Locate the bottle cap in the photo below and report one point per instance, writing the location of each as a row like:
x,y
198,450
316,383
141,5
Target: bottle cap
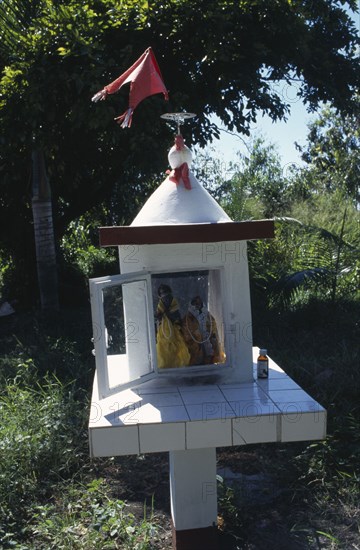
x,y
263,351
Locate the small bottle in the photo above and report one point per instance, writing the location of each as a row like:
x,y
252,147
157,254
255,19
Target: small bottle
x,y
262,364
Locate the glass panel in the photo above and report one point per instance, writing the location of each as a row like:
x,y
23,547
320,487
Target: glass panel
x,y
114,320
188,319
126,333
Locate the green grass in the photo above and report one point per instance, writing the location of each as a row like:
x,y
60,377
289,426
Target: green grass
x,y
81,517
41,441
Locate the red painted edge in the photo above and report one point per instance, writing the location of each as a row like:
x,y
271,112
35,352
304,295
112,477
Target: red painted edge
x,y
190,233
206,538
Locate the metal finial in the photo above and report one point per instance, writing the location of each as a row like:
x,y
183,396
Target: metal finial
x,y
179,118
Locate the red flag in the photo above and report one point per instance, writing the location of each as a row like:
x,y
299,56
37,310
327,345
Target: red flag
x,y
145,78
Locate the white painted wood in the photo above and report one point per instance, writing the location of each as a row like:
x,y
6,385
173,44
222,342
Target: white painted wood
x,y
229,278
99,337
193,490
136,314
139,359
118,370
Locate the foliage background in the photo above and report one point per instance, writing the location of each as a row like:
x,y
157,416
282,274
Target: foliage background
x,y
55,55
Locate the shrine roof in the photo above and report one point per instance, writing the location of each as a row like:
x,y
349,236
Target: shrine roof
x,y
174,203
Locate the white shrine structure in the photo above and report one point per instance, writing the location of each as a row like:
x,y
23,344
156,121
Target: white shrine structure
x,y
170,377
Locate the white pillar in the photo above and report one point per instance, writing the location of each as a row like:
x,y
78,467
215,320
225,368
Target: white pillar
x,y
193,491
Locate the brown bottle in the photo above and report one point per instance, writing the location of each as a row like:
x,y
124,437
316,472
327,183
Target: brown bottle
x,y
262,364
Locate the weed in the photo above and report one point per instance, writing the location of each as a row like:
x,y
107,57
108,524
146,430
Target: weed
x,y
83,517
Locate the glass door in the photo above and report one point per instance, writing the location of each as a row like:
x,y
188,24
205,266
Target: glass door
x,y
123,330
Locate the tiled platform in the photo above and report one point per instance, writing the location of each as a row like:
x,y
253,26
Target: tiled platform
x,y
165,416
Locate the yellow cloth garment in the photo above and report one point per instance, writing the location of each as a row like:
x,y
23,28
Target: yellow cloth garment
x,y
171,348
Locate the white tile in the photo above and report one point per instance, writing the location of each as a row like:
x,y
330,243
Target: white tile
x,y
273,374
273,366
253,408
123,416
197,387
156,438
162,399
150,414
276,372
155,387
157,384
259,429
105,412
289,396
237,385
244,394
284,383
299,407
114,441
212,433
303,426
210,411
202,396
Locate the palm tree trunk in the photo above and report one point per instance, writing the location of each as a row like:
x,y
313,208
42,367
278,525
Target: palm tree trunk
x,y
44,235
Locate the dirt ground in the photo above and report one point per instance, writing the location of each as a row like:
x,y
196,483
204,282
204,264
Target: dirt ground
x,y
256,510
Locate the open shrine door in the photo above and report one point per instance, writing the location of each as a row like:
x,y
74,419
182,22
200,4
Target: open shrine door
x,y
123,330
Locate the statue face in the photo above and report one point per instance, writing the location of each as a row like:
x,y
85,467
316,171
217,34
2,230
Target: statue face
x,y
163,293
164,290
197,303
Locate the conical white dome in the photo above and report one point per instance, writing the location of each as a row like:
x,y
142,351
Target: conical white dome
x,y
173,203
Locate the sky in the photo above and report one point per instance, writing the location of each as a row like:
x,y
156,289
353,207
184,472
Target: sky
x,y
283,134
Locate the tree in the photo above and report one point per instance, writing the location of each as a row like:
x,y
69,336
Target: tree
x,y
216,57
332,153
44,235
258,187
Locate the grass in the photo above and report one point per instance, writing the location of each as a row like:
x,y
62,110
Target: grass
x,y
53,496
82,517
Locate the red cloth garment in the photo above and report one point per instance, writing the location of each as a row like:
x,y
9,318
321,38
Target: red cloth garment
x,y
145,80
182,172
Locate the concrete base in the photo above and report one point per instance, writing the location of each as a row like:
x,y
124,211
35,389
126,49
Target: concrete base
x,y
195,539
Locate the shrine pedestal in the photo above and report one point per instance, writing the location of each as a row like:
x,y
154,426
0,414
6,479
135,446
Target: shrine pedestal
x,y
193,495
